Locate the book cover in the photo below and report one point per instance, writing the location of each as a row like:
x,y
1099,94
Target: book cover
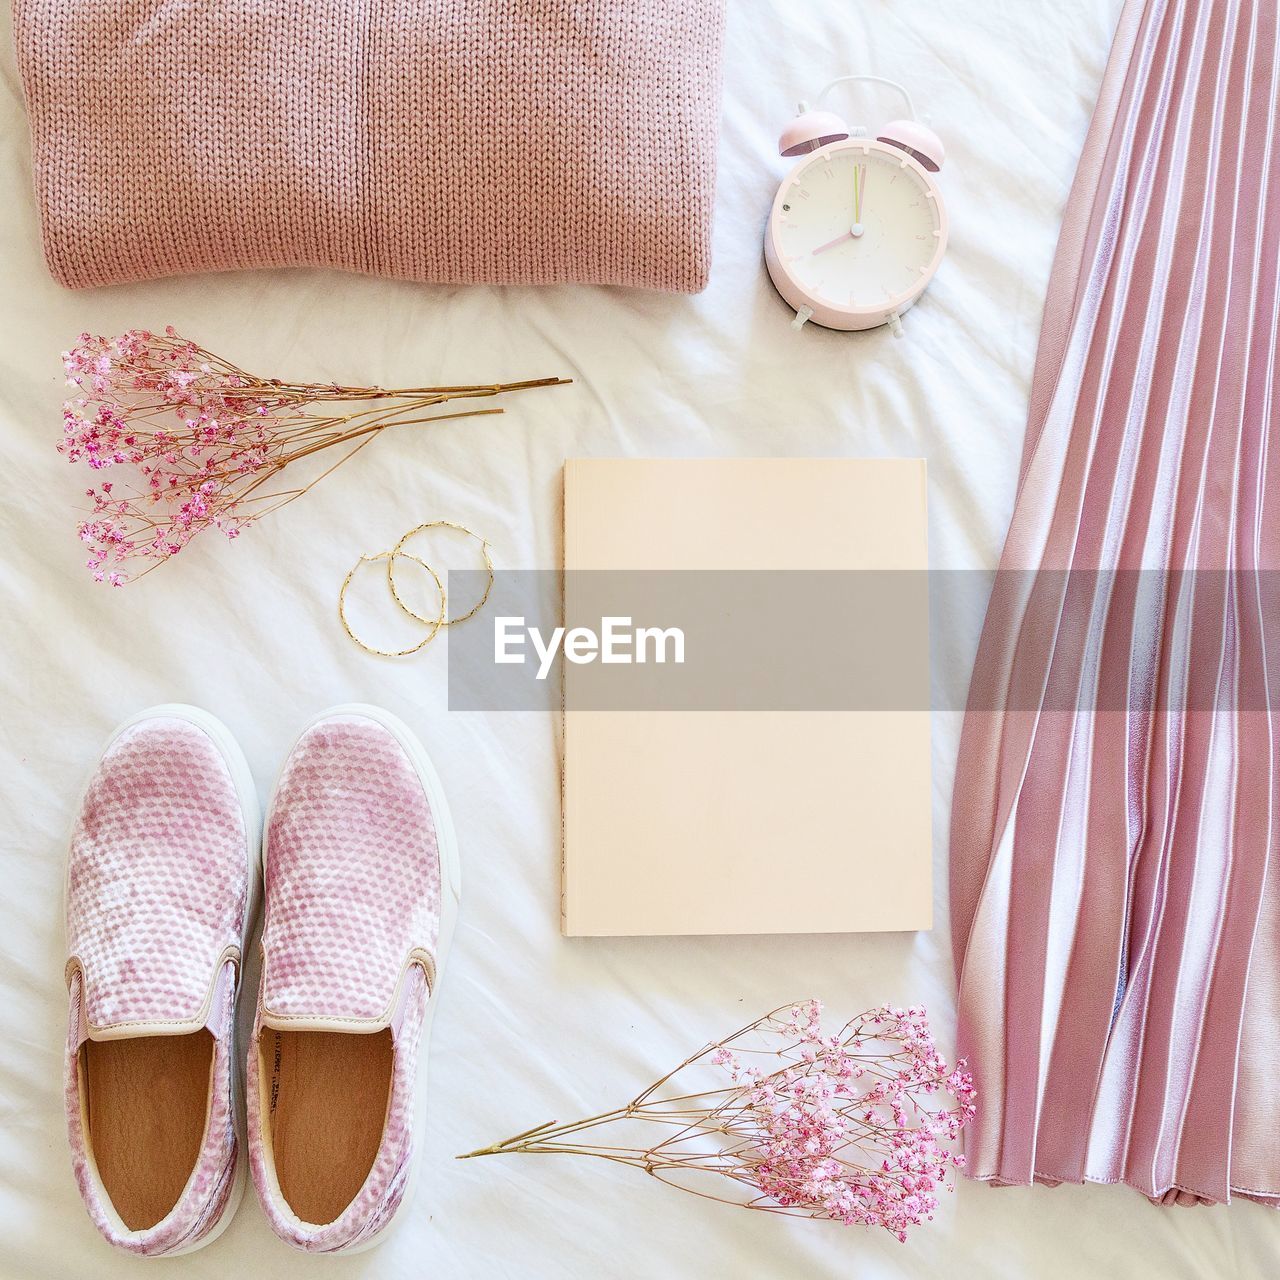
x,y
778,780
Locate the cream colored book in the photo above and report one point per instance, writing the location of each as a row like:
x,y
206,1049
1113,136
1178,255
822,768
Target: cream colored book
x,y
756,787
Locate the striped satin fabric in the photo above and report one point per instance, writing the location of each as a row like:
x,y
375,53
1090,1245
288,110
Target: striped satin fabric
x,y
1115,869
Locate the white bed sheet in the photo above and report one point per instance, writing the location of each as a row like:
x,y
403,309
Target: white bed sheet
x,y
532,1026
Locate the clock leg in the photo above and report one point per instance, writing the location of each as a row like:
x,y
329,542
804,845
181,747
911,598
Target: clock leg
x,y
894,321
803,316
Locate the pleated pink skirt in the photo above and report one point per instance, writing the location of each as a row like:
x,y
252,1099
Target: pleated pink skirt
x,y
1115,857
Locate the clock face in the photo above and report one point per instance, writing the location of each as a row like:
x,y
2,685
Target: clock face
x,y
858,227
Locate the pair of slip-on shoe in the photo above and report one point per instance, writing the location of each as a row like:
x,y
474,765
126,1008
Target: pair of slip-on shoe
x,y
360,874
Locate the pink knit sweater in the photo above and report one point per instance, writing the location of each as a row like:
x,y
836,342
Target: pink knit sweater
x,y
464,141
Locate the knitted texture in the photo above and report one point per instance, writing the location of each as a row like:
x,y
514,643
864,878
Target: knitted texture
x,y
352,874
157,884
460,141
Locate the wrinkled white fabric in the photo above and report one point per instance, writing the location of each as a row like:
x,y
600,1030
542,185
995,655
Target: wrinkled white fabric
x,y
532,1027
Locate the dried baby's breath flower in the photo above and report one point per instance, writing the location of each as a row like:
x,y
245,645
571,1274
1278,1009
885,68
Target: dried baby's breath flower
x,y
184,440
852,1127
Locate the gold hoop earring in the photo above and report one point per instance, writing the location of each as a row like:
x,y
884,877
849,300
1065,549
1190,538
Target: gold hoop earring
x,y
434,623
399,552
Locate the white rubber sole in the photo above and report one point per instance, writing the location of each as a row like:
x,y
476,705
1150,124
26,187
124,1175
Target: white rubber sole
x,y
247,793
450,898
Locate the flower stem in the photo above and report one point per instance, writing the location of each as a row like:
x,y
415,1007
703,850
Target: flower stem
x,y
499,1147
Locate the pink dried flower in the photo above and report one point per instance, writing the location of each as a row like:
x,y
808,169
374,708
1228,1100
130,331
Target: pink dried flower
x,y
853,1127
201,440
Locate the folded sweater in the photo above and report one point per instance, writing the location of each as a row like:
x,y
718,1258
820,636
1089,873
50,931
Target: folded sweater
x,y
463,141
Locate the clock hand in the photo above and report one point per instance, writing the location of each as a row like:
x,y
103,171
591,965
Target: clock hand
x,y
831,244
859,190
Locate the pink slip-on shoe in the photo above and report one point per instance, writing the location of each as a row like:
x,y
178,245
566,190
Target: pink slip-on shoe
x,y
362,885
162,877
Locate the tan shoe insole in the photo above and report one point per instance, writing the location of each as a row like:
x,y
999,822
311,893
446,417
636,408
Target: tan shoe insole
x,y
328,1094
147,1101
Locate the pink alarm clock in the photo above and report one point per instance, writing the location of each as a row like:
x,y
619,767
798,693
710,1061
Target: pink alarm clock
x,y
858,227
